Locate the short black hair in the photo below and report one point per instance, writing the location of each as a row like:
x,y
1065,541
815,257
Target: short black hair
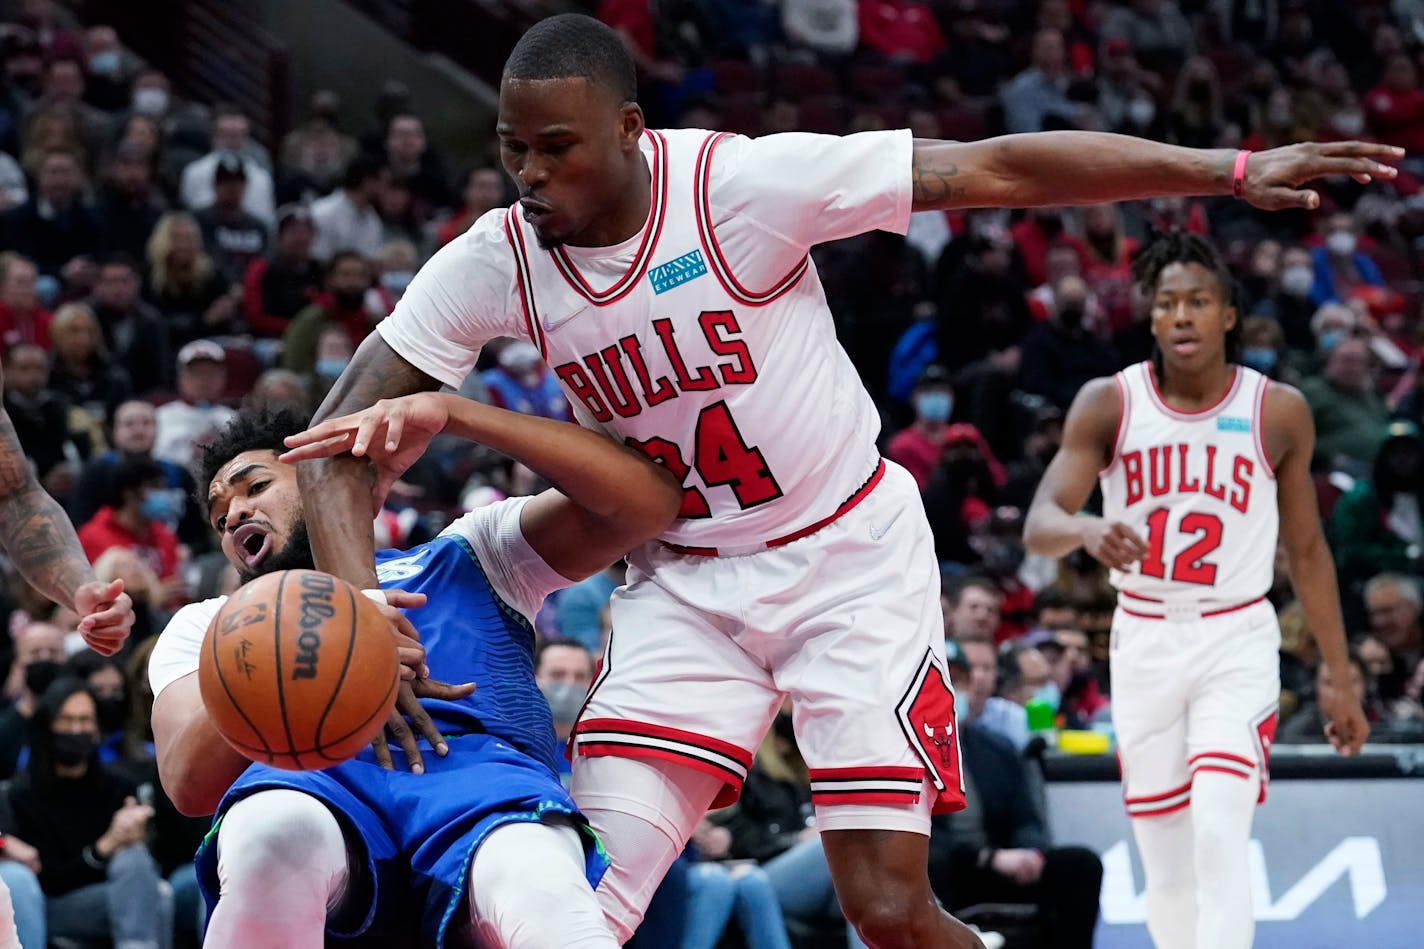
x,y
131,473
562,641
955,591
1183,247
573,45
250,431
361,169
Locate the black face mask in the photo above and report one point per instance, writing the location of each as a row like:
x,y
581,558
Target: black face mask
x,y
345,300
39,675
1070,317
72,749
111,714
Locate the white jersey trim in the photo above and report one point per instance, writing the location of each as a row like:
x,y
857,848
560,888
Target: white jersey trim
x,y
1259,421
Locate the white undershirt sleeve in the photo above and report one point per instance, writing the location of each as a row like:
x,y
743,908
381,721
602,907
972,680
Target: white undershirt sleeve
x,y
175,655
516,571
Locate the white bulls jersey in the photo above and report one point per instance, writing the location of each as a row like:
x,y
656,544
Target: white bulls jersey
x,y
705,339
1198,488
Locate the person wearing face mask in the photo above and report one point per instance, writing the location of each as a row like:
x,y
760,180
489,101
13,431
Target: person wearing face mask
x,y
275,289
997,849
522,383
108,74
39,660
343,304
563,670
1379,524
134,517
918,446
88,829
1340,264
1262,346
1061,354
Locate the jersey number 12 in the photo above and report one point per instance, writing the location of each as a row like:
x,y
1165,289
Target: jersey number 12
x,y
1189,566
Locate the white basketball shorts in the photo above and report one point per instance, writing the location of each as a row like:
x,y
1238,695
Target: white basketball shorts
x,y
1190,694
845,620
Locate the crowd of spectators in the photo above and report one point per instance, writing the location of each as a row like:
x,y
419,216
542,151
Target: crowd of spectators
x,y
159,265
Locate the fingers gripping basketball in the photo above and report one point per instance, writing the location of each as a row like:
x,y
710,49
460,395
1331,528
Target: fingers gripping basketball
x,y
298,670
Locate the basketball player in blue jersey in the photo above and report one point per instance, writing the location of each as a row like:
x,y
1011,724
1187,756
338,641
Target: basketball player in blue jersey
x,y
485,848
1202,463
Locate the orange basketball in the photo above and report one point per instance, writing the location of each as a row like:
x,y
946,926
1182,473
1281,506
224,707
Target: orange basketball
x,y
298,670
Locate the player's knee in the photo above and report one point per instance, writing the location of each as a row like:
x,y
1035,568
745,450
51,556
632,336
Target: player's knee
x,y
893,920
278,833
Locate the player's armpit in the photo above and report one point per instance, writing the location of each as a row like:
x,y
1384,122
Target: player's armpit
x,y
195,765
1089,438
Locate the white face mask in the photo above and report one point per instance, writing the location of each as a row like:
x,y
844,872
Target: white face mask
x,y
1297,280
1141,111
150,101
1350,123
1340,243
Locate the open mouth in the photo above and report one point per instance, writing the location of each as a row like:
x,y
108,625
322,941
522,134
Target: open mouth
x,y
533,209
252,543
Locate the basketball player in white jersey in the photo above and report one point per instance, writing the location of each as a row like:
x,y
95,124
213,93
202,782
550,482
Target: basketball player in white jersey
x,y
40,541
1202,462
665,277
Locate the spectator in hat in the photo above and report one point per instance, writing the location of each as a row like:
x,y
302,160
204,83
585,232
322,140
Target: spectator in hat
x,y
343,304
194,417
231,235
134,332
347,218
522,383
917,447
128,205
997,850
232,138
277,288
22,318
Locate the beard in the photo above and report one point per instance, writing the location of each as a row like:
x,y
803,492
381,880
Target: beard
x,y
295,555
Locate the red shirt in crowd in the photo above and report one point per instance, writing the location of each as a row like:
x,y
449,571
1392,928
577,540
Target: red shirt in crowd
x,y
1397,117
633,17
157,548
917,451
32,329
1034,244
900,29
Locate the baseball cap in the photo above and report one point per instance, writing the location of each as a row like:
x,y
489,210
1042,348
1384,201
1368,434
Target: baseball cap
x,y
201,349
229,168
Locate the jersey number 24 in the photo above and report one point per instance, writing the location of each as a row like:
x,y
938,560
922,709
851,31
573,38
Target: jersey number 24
x,y
721,458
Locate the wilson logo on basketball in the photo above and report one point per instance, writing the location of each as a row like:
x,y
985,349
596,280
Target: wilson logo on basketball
x,y
315,609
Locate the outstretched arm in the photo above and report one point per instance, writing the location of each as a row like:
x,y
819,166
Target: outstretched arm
x,y
1054,527
343,544
607,498
1290,435
1057,168
40,541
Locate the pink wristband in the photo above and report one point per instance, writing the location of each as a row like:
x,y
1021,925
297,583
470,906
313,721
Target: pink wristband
x,y
1238,174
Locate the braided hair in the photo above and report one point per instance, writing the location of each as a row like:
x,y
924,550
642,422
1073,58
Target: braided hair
x,y
1182,247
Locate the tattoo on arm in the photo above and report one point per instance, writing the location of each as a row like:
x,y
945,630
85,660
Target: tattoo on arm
x,y
34,529
935,183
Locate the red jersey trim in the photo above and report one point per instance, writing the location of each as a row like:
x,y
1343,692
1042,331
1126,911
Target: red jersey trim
x,y
525,281
649,244
1155,798
597,737
1224,756
1124,417
1258,422
1209,613
703,202
1160,812
847,505
1201,414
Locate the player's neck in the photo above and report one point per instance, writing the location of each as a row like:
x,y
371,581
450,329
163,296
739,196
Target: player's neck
x,y
629,217
1192,391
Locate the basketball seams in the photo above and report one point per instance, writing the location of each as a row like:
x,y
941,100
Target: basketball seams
x,y
232,700
380,709
352,626
277,658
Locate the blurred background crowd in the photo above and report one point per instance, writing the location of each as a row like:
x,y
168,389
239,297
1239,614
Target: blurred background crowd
x,y
162,263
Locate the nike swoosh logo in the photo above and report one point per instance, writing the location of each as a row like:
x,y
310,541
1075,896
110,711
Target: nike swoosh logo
x,y
553,324
878,532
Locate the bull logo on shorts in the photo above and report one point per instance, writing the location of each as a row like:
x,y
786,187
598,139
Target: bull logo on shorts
x,y
942,737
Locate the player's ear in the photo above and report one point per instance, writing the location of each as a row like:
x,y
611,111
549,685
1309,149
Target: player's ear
x,y
631,125
1229,317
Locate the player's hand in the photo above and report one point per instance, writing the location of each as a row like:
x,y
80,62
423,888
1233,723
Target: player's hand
x,y
393,433
1346,725
105,615
407,733
21,852
408,646
1021,866
1112,543
1273,177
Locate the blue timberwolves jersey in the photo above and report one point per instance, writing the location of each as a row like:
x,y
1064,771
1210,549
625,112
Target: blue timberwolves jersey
x,y
472,635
